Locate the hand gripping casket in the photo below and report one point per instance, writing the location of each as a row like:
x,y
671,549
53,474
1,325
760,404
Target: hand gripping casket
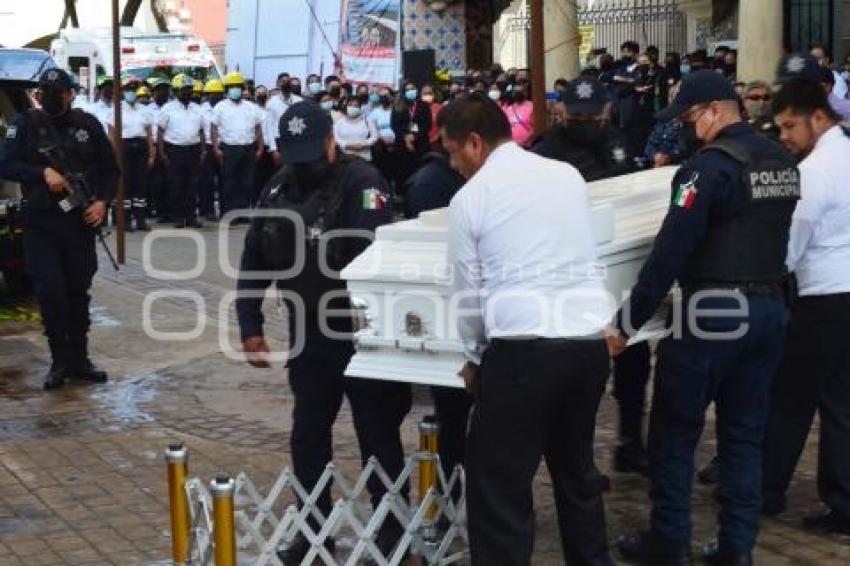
x,y
401,287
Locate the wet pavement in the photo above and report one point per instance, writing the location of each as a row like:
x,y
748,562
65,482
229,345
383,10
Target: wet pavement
x,y
82,478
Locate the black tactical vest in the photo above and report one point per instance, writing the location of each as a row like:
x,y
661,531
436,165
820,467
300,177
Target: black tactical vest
x,y
751,246
282,238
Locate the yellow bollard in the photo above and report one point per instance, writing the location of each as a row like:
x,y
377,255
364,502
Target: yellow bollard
x,y
224,530
177,458
428,445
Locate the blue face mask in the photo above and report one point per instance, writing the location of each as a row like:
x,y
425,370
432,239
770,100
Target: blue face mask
x,y
327,105
314,88
684,68
234,93
130,97
374,99
411,94
354,111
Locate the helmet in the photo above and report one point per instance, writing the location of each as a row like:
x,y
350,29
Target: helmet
x,y
104,80
181,81
197,86
214,85
157,81
130,80
234,78
143,91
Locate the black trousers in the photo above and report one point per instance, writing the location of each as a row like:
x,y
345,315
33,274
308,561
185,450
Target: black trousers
x,y
452,407
237,176
264,170
61,260
532,403
209,184
814,376
318,384
631,374
158,189
136,176
183,172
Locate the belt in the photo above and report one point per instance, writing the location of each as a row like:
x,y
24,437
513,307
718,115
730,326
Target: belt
x,y
526,344
743,288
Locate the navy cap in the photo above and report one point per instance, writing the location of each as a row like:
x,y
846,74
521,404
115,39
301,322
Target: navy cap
x,y
303,130
798,66
584,96
700,87
56,78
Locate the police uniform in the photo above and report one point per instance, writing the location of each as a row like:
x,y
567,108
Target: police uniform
x,y
59,247
137,141
725,235
348,194
235,124
181,124
599,152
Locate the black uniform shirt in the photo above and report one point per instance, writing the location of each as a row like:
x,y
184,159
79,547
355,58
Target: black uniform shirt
x,y
603,156
705,190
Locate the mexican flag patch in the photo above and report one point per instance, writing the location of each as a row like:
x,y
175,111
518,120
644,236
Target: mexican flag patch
x,y
373,199
687,193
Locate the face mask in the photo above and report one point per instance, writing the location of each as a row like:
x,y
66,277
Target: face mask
x,y
374,99
494,95
588,131
354,111
755,109
130,97
335,91
386,100
314,88
261,100
234,93
161,99
286,89
296,88
215,99
313,175
53,103
684,68
327,105
689,143
429,98
411,94
185,98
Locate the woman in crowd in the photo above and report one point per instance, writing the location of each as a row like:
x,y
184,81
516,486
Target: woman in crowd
x,y
520,113
383,152
354,132
411,123
429,97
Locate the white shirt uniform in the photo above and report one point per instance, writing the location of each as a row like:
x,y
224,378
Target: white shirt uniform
x,y
182,124
102,111
840,89
277,107
207,110
237,122
155,110
819,248
134,120
268,125
356,132
522,250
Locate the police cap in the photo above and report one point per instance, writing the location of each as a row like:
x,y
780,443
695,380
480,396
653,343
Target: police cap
x,y
798,66
700,87
303,130
56,78
584,96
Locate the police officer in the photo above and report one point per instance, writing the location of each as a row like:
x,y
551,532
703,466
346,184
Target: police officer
x,y
41,149
139,152
181,148
158,182
588,142
757,97
102,107
210,170
724,240
329,190
237,137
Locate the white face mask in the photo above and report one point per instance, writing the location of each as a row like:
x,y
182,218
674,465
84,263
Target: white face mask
x,y
354,111
495,95
429,98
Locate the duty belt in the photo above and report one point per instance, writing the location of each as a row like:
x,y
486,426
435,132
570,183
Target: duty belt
x,y
743,288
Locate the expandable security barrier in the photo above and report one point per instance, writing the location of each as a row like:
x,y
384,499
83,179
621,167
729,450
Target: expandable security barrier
x,y
232,517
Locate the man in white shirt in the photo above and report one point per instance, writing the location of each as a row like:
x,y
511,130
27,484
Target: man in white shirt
x,y
237,132
181,148
102,107
210,170
815,372
531,311
265,165
277,106
822,53
158,181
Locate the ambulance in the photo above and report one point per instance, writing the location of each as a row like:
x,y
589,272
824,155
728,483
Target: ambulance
x,y
88,54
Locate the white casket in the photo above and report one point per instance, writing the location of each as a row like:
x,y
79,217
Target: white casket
x,y
400,282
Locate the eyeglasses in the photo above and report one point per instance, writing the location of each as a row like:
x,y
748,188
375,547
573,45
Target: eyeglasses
x,y
759,98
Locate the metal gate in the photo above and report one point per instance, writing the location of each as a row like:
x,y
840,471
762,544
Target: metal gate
x,y
648,22
808,22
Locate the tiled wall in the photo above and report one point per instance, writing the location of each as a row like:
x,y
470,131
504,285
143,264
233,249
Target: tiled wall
x,y
444,32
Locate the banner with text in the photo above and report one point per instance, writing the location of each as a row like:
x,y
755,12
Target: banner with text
x,y
370,41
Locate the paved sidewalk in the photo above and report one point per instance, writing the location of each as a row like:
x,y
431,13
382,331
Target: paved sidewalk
x,y
82,478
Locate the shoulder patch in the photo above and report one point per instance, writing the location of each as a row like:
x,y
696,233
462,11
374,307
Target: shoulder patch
x,y
619,154
12,132
373,199
82,135
687,193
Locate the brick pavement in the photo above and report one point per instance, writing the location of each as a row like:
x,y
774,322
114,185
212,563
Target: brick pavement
x,y
82,479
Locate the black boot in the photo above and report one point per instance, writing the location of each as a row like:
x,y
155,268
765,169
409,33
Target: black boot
x,y
55,376
714,555
141,221
643,548
80,366
630,457
294,554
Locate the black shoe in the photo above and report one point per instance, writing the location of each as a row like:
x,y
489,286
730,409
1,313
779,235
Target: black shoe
x,y
294,554
386,541
194,223
643,548
180,225
708,475
772,507
711,554
54,378
87,371
827,523
630,458
128,226
211,218
142,225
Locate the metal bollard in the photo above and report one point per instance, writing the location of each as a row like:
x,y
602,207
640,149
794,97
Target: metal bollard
x,y
428,445
177,458
224,529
